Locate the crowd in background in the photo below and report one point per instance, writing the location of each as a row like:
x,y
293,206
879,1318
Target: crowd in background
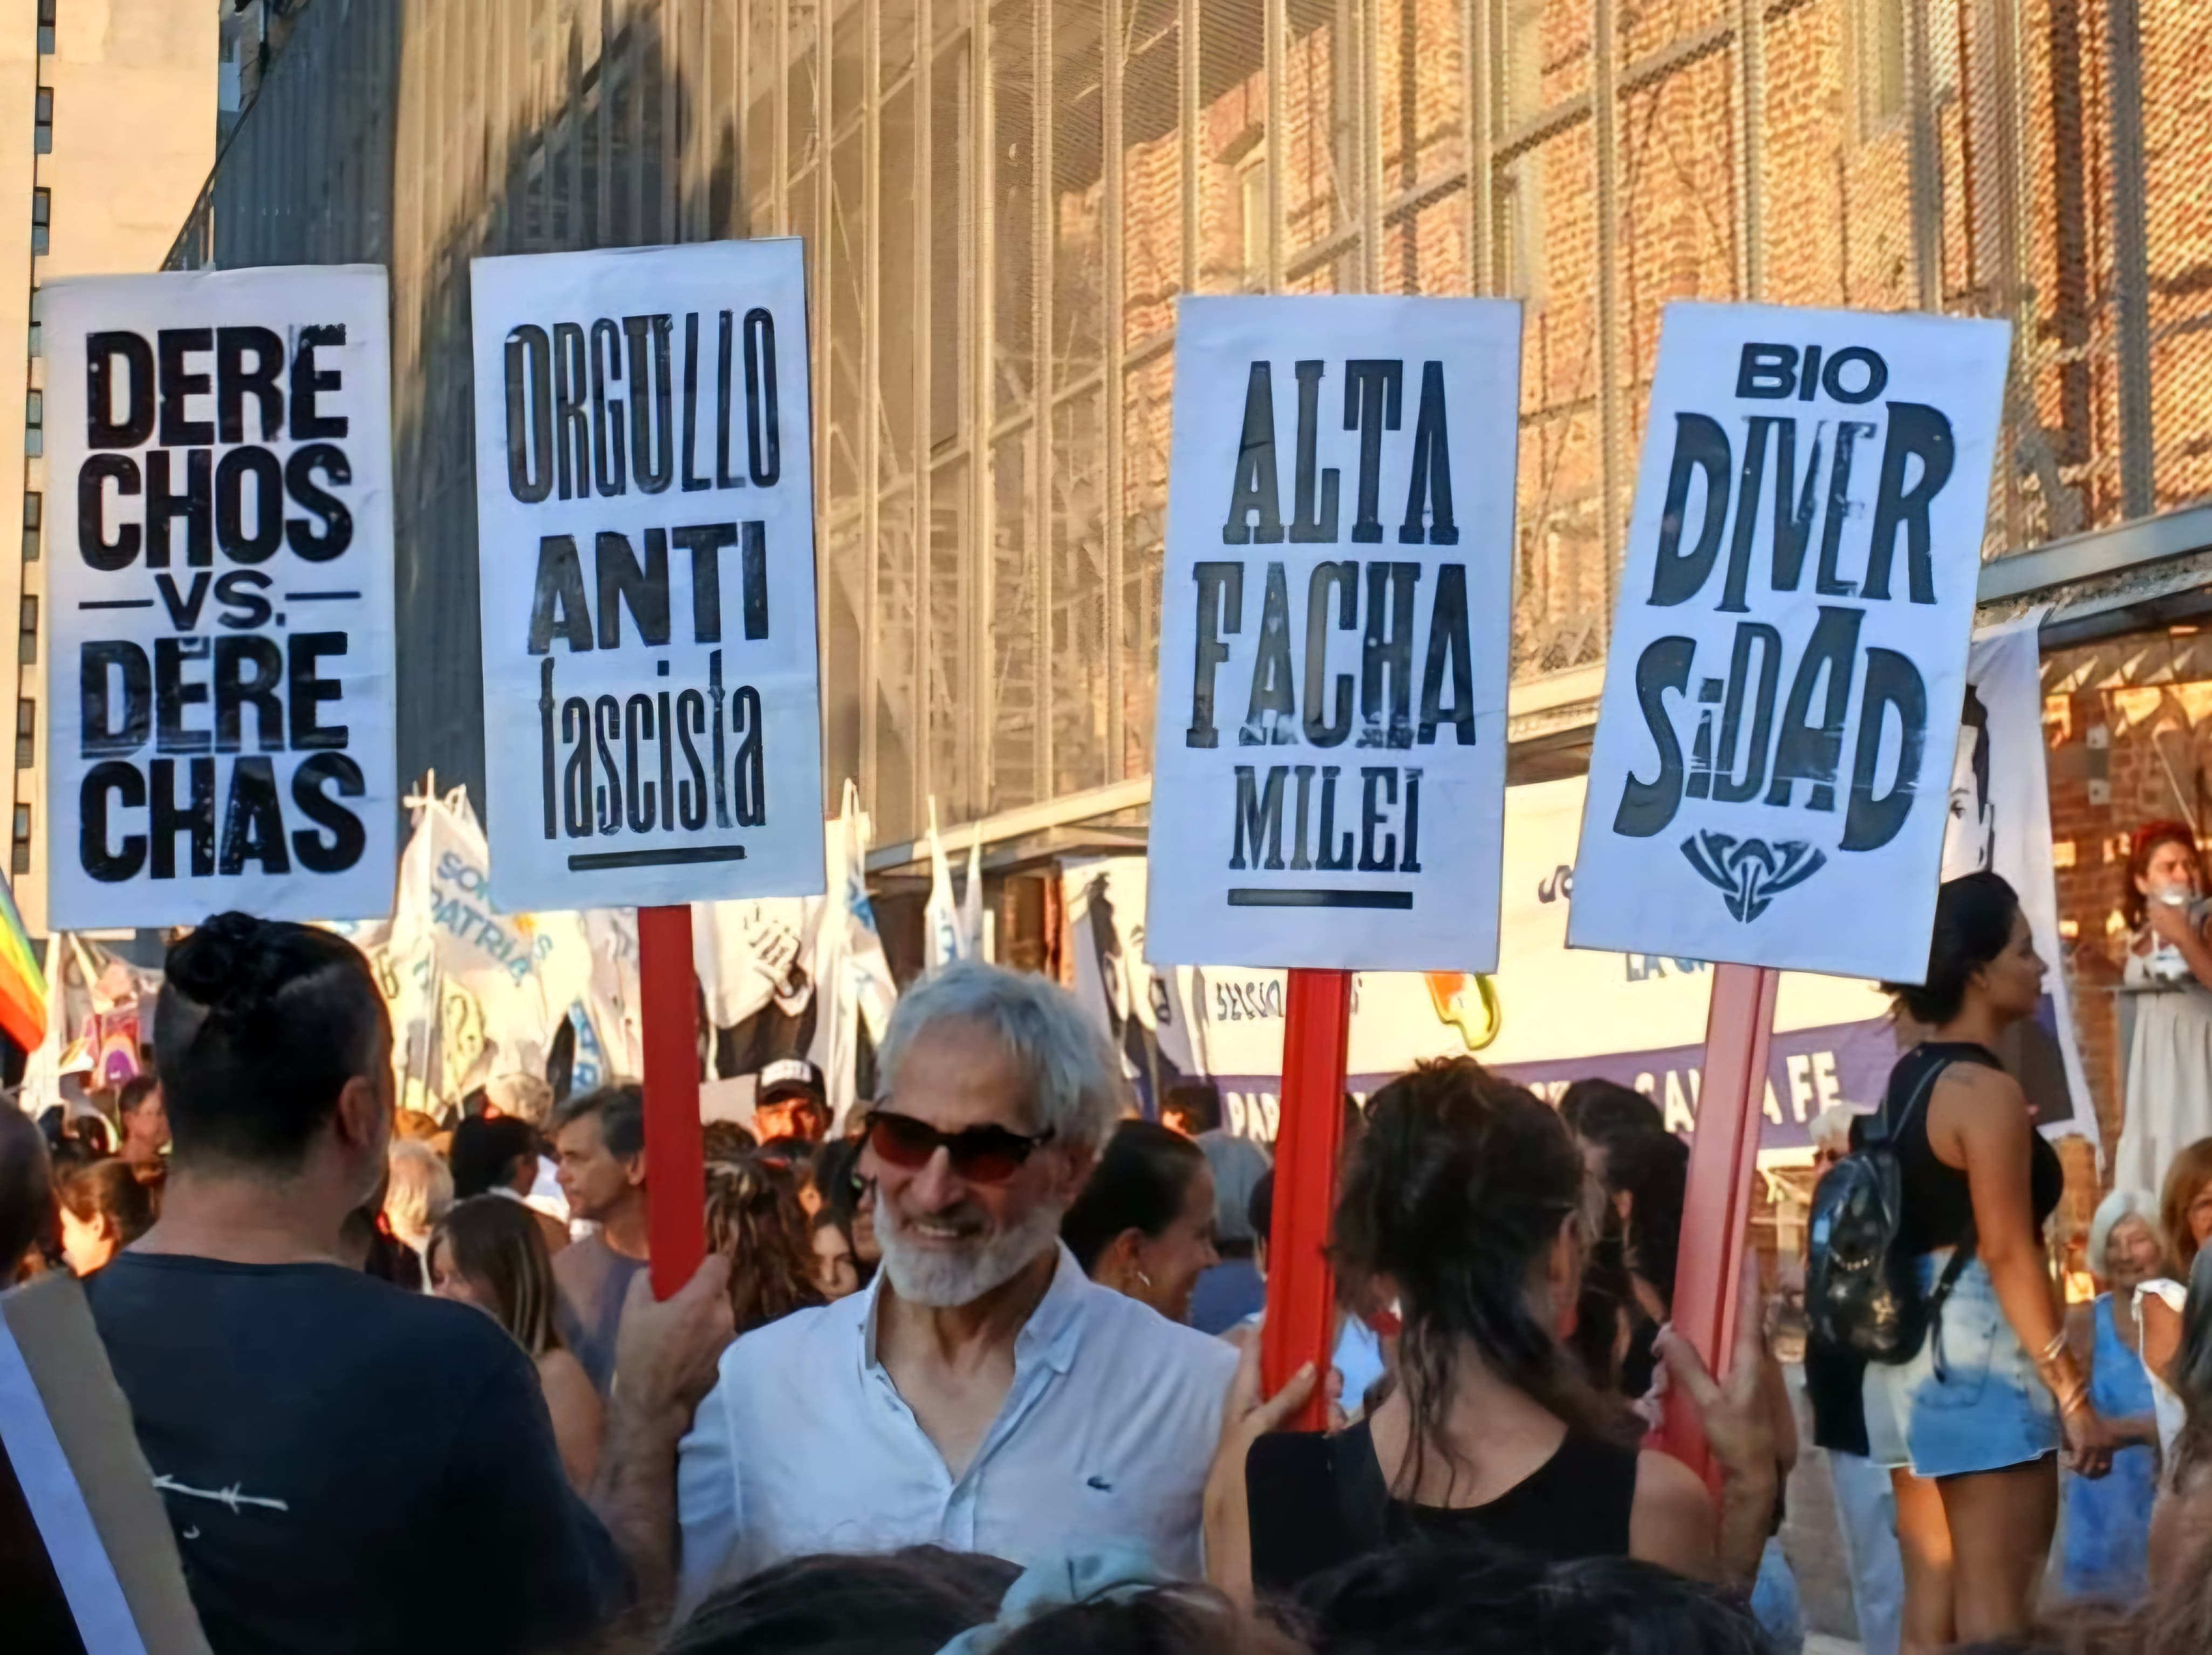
x,y
979,1372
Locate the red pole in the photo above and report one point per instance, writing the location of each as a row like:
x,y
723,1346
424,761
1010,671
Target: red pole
x,y
675,1154
1716,1206
1301,1293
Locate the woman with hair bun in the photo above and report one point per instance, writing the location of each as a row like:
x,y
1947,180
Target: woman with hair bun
x,y
1975,1419
2167,973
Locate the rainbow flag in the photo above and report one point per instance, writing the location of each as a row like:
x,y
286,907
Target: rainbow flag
x,y
23,984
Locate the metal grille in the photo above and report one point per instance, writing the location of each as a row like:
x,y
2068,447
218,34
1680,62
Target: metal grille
x,y
998,225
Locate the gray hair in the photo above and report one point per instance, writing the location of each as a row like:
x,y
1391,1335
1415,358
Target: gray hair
x,y
527,1096
2112,1212
421,1190
1070,1075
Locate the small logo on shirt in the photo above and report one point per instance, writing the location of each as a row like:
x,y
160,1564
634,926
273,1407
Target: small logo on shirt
x,y
1100,1484
231,1496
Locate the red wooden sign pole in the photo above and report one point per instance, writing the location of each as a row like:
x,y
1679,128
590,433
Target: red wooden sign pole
x,y
1716,1206
1301,1318
675,1155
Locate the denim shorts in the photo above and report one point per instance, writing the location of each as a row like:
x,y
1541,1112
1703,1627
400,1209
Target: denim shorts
x,y
1979,1408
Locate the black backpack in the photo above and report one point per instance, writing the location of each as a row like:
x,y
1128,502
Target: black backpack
x,y
1861,1290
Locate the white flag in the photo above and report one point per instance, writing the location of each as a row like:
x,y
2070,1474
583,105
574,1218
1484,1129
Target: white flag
x,y
971,903
851,974
493,986
941,919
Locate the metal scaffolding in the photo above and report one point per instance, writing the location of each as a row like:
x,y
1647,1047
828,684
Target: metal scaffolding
x,y
1001,199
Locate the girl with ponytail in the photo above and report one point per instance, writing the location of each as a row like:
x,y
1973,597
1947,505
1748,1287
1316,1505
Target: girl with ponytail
x,y
1467,1201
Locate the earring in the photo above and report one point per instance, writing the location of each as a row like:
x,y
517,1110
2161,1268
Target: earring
x,y
1146,1280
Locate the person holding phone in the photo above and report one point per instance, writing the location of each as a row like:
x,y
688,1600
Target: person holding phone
x,y
2167,976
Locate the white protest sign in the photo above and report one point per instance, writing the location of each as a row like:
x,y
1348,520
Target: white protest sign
x,y
220,685
645,545
1769,781
1328,780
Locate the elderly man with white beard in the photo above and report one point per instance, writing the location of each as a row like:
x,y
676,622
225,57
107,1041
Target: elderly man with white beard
x,y
984,1395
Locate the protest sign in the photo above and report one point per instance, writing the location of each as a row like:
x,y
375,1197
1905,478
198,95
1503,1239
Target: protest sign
x,y
1787,658
220,687
645,545
1329,757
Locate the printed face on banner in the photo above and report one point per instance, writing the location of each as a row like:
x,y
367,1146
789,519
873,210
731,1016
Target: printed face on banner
x,y
1774,765
646,540
220,683
1328,782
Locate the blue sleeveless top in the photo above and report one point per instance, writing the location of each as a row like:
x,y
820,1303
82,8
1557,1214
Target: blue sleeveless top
x,y
2108,1521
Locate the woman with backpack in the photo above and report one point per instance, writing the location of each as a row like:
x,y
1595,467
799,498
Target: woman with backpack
x,y
1973,1418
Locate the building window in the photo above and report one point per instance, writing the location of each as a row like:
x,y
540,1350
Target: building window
x,y
38,323
34,421
26,733
27,642
42,215
34,505
19,857
1252,211
1880,64
46,28
43,134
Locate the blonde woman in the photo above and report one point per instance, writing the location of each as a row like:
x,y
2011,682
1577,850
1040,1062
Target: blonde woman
x,y
488,1253
416,1194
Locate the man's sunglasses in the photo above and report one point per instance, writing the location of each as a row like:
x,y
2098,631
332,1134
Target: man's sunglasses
x,y
980,1154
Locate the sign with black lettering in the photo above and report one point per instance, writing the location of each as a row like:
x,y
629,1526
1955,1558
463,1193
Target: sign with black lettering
x,y
219,679
1328,772
1783,684
646,543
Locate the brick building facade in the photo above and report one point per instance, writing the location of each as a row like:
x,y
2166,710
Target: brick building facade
x,y
998,227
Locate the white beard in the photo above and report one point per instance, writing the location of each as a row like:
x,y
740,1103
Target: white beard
x,y
943,1280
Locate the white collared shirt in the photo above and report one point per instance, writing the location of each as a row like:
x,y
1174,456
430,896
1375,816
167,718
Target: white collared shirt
x,y
805,1445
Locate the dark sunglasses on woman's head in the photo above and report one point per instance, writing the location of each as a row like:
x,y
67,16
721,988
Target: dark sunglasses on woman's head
x,y
980,1154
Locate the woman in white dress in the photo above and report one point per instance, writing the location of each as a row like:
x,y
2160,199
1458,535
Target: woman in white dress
x,y
2168,976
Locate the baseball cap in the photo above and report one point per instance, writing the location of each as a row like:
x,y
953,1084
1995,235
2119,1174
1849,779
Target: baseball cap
x,y
786,1075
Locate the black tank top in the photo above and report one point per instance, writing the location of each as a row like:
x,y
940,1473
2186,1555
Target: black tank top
x,y
1939,1210
1318,1501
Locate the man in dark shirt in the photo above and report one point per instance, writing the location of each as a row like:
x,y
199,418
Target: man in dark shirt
x,y
349,1467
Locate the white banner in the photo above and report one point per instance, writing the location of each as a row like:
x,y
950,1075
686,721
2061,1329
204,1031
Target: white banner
x,y
1549,1015
750,954
645,535
1329,757
219,677
1149,1013
1784,679
2000,818
502,983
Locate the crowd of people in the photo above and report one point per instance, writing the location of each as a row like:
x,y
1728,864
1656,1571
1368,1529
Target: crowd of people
x,y
980,1373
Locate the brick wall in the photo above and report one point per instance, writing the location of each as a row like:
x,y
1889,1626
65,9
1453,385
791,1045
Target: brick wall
x,y
2128,727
